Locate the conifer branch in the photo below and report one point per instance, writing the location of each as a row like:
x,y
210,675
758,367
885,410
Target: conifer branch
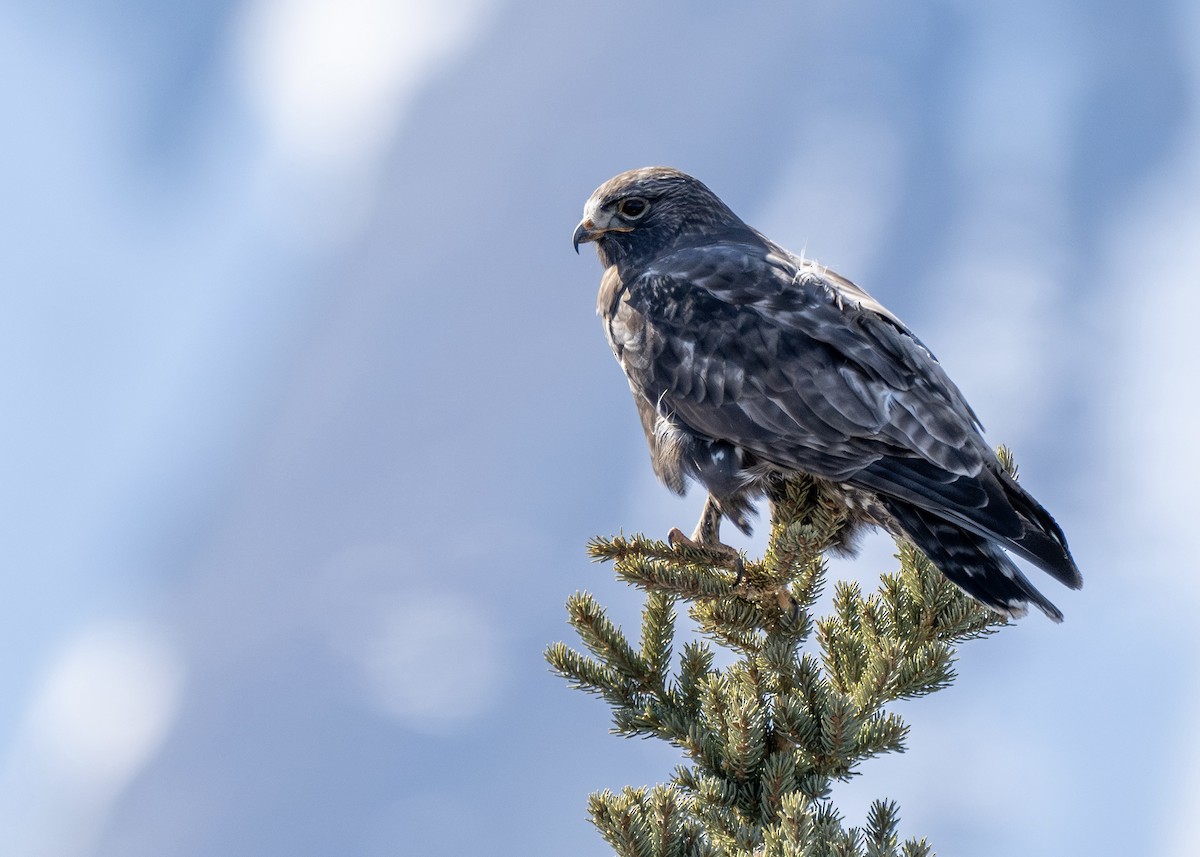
x,y
803,704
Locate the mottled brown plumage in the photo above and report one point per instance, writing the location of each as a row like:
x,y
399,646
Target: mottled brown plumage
x,y
747,362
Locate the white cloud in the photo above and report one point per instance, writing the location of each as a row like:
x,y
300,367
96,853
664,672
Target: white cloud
x,y
327,83
330,78
1148,419
430,658
1153,302
838,194
104,706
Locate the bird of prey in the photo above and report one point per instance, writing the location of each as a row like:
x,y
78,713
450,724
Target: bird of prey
x,y
749,363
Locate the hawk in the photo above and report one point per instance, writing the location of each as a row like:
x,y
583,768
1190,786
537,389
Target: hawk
x,y
749,363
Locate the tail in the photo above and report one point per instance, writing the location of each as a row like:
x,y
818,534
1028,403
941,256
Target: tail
x,y
973,563
962,522
1042,541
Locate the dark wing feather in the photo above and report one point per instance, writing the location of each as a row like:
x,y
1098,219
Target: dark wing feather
x,y
823,383
748,344
998,584
990,505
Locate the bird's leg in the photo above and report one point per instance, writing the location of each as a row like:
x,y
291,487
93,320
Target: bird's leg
x,y
708,528
708,537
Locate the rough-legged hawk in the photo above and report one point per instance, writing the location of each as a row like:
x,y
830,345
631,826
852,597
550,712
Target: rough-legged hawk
x,y
748,362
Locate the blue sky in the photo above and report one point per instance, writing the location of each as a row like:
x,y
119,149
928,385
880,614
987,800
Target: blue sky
x,y
309,417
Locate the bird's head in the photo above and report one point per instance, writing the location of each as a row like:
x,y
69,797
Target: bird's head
x,y
636,216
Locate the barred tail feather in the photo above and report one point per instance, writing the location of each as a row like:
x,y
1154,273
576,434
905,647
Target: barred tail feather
x,y
991,505
1042,541
976,565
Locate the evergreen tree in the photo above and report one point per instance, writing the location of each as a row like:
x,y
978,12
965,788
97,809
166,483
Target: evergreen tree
x,y
765,737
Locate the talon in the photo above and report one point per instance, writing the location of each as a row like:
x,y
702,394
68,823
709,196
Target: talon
x,y
739,570
728,555
677,539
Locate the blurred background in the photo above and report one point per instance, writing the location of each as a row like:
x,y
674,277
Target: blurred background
x,y
307,416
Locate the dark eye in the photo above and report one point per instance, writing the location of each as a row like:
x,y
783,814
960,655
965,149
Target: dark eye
x,y
633,208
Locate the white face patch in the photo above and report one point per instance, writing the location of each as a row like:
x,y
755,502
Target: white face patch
x,y
594,213
591,210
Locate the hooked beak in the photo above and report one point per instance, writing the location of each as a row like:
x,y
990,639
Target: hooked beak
x,y
586,231
594,225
